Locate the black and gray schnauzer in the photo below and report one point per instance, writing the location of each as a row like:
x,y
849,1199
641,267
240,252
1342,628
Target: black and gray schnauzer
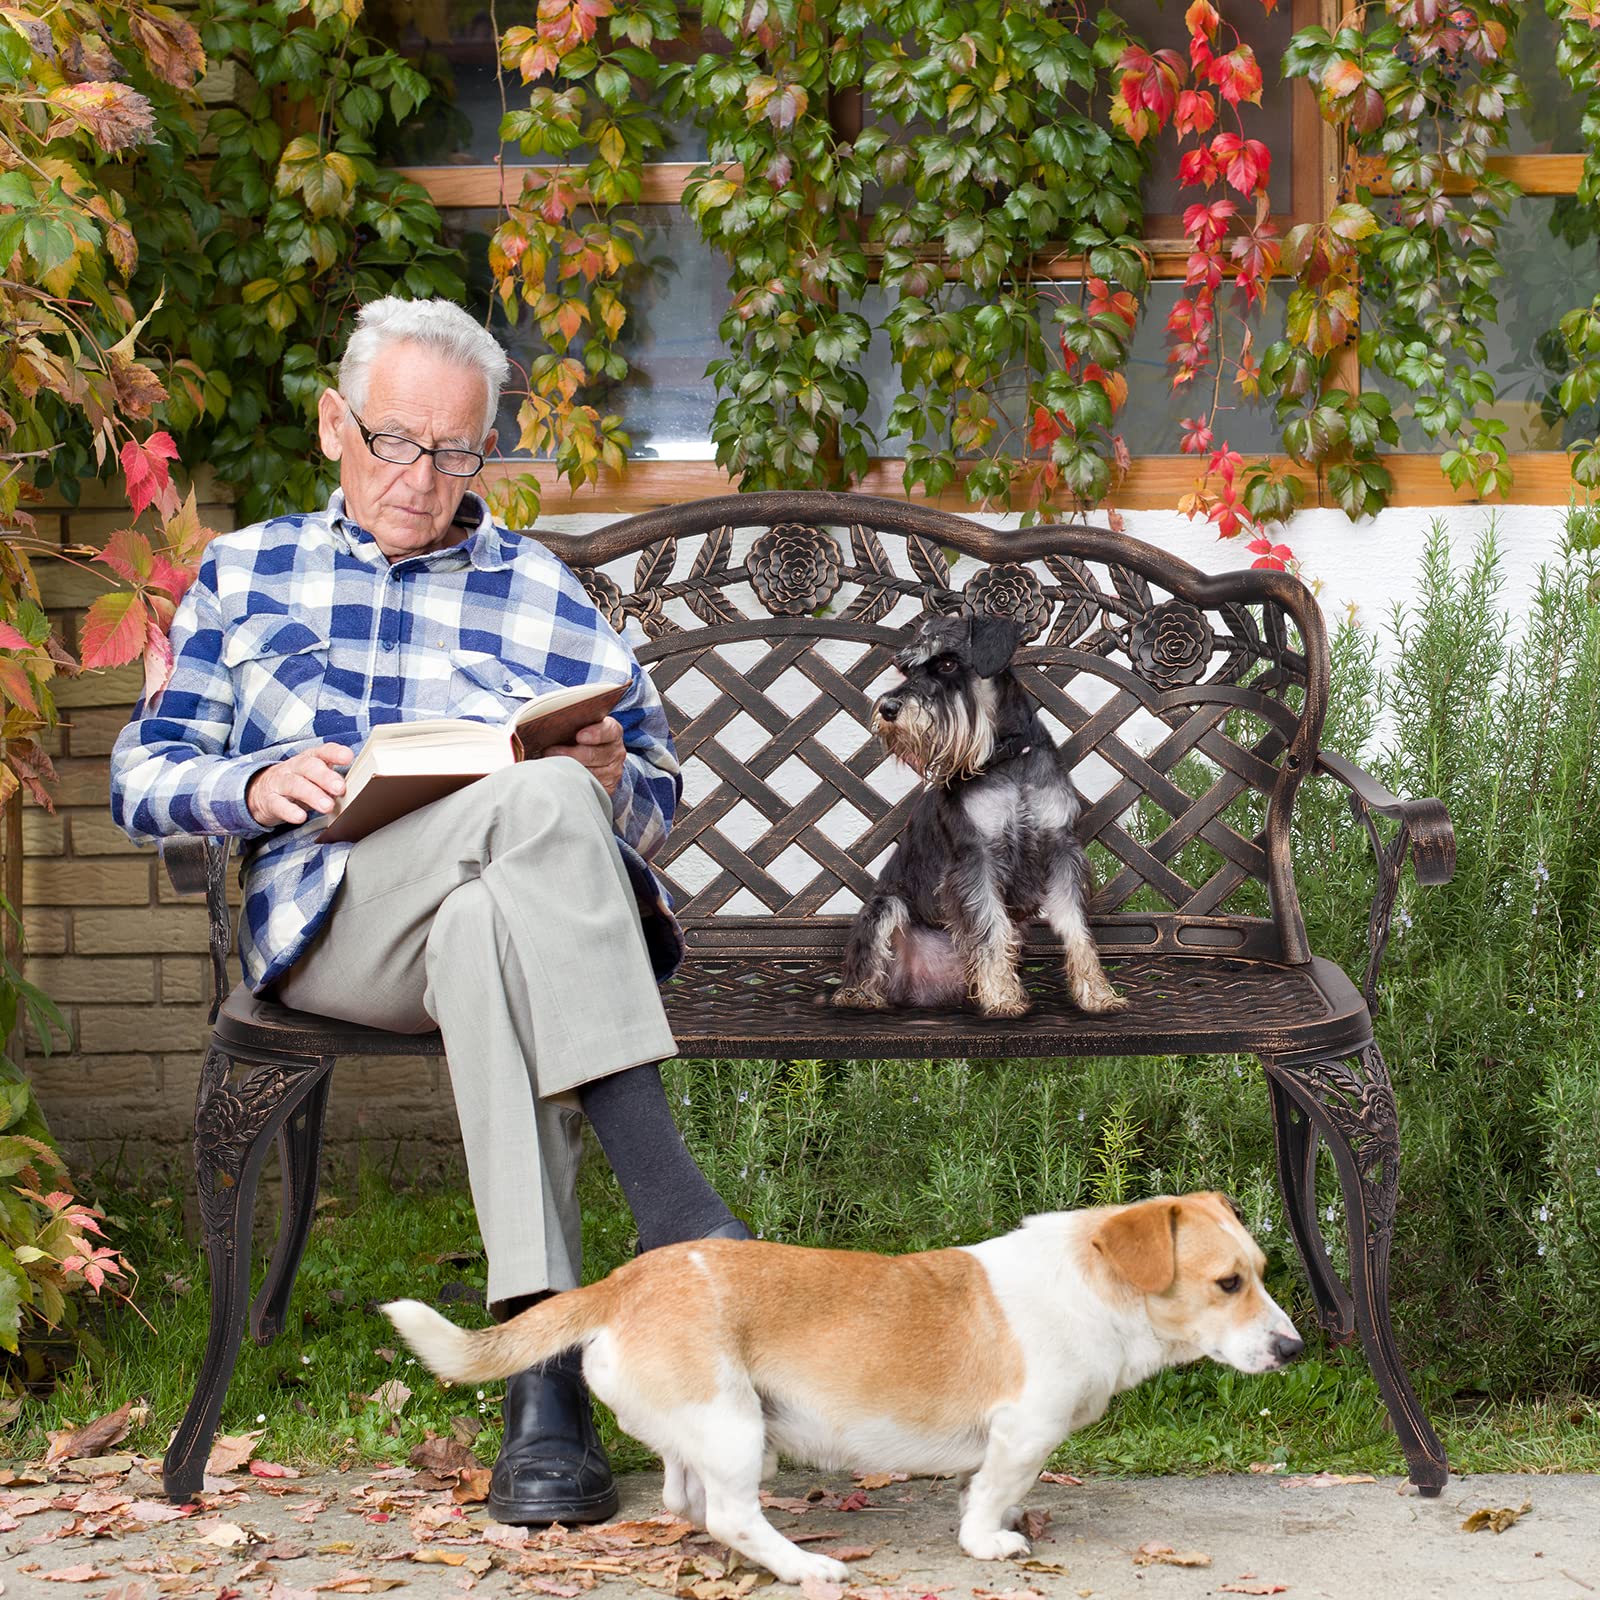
x,y
990,843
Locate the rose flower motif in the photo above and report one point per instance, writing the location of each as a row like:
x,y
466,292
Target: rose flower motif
x,y
1171,645
1011,591
222,1119
794,569
605,593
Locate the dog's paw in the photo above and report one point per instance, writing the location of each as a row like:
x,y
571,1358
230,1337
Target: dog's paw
x,y
997,1544
860,998
1099,1002
1005,1004
805,1565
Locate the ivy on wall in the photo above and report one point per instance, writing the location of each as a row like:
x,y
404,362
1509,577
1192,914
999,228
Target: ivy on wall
x,y
891,170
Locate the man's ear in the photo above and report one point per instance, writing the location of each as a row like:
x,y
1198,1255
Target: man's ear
x,y
993,642
330,423
1140,1245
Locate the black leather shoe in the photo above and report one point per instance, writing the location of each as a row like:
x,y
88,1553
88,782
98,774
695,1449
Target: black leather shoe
x,y
552,1466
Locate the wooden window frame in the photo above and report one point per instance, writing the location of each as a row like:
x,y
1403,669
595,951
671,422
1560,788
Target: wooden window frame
x,y
1153,482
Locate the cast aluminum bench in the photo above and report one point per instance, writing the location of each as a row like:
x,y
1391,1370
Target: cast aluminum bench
x,y
1192,707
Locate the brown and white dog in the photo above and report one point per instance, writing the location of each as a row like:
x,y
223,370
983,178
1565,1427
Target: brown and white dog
x,y
975,1361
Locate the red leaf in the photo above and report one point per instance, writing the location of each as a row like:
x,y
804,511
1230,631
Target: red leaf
x,y
10,639
171,580
145,467
113,631
1237,76
16,687
1045,430
1197,112
127,553
1208,224
157,659
1197,436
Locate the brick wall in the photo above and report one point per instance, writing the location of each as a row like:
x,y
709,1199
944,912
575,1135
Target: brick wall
x,y
125,958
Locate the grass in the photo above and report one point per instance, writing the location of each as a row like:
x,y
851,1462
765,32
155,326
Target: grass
x,y
308,1390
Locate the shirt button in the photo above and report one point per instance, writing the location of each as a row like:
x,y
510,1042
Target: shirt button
x,y
388,644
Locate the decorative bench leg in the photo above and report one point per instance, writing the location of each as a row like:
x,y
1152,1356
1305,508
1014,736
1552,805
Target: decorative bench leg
x,y
1350,1104
299,1157
1296,1137
233,1130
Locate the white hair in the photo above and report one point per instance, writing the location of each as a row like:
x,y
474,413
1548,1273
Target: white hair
x,y
437,324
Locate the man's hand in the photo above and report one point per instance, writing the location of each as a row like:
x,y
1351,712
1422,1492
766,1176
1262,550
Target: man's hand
x,y
599,747
291,790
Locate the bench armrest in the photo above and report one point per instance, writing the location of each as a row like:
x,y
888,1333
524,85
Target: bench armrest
x,y
198,864
1424,833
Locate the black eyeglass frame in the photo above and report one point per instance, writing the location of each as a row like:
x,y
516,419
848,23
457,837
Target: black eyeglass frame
x,y
367,436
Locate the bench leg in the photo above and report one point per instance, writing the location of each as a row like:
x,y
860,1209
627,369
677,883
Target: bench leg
x,y
1351,1106
234,1125
1297,1141
299,1158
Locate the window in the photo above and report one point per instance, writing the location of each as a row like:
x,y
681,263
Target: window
x,y
452,148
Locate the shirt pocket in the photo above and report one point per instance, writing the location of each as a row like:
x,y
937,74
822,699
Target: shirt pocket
x,y
279,666
488,689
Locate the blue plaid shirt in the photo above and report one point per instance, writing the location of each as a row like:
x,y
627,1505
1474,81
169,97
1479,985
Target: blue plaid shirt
x,y
299,631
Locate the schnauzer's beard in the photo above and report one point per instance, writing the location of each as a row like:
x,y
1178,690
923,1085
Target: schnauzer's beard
x,y
941,746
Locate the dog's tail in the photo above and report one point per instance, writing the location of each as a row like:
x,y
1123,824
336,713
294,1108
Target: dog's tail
x,y
534,1335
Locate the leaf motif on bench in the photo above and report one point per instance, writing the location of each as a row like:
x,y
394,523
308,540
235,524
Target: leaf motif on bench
x,y
1079,595
703,592
794,569
876,600
606,594
1011,591
1171,645
928,561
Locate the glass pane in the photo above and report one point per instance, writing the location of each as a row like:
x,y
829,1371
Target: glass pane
x,y
1551,121
451,42
1552,264
1149,421
675,300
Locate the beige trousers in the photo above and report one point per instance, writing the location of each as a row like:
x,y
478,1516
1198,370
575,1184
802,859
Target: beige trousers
x,y
503,915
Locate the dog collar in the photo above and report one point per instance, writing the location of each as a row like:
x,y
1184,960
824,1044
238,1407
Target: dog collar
x,y
1008,750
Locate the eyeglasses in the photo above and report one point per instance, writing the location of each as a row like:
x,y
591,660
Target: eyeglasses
x,y
401,451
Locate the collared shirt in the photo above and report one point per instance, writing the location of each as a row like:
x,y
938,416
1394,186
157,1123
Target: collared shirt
x,y
299,631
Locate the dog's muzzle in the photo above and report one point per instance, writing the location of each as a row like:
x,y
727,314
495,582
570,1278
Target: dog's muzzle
x,y
887,709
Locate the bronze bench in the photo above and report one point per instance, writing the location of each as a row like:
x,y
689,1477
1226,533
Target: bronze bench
x,y
1193,707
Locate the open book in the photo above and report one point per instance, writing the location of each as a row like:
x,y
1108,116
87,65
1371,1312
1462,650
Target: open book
x,y
404,765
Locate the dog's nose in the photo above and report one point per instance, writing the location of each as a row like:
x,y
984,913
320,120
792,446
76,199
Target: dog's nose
x,y
888,708
1286,1347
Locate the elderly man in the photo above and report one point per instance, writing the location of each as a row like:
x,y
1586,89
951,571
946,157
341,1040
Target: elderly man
x,y
517,915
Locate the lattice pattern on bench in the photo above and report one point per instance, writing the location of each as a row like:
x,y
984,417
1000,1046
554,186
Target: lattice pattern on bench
x,y
1180,699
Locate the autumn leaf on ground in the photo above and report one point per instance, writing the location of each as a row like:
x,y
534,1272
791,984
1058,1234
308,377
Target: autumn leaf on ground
x,y
1495,1518
1032,1526
271,1469
848,1552
472,1487
89,1440
230,1451
880,1480
357,1583
225,1535
1328,1480
433,1556
442,1455
390,1396
1152,1553
1061,1477
1248,1583
779,1502
83,1573
1268,1466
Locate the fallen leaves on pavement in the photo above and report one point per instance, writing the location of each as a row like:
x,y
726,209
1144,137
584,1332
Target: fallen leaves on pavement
x,y
1153,1553
1496,1518
230,1451
1327,1480
1249,1583
91,1439
1061,1477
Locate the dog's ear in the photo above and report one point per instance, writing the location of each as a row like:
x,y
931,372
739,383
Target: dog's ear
x,y
1140,1244
993,642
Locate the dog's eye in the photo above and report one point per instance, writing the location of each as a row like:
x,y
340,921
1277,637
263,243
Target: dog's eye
x,y
945,663
1231,1284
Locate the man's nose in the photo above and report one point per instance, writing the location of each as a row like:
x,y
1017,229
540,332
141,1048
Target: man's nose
x,y
889,708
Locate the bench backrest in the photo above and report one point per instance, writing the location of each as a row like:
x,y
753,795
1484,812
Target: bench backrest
x,y
1190,705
